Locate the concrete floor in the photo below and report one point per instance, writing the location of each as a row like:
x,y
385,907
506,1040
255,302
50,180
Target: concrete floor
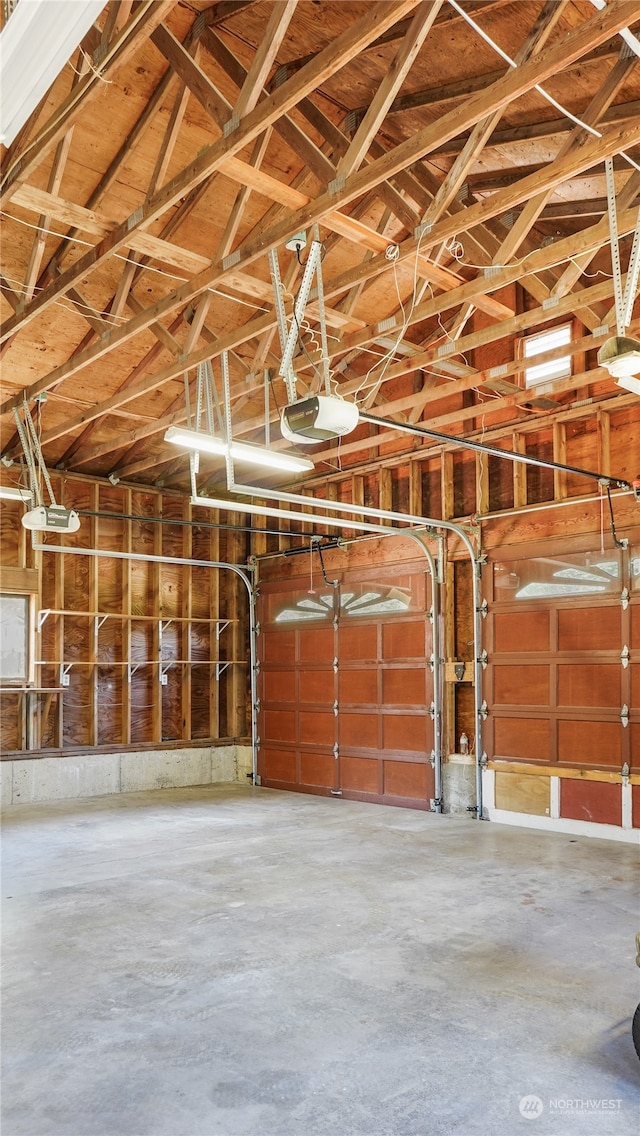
x,y
243,962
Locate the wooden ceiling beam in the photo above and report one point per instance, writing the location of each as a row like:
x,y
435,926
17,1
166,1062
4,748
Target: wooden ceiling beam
x,y
445,93
416,33
147,15
264,57
331,59
534,206
475,143
262,323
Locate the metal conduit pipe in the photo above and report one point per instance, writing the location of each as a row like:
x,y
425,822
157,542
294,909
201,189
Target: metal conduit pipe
x,y
437,670
243,573
421,522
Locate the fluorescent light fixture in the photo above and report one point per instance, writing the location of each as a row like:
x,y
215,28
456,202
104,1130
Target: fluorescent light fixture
x,y
621,357
240,451
15,493
37,41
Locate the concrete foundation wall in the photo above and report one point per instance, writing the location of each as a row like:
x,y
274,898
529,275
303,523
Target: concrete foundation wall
x,y
96,774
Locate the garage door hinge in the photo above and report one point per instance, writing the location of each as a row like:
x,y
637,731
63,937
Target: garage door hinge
x,y
336,792
484,660
624,715
484,710
432,711
336,751
624,656
335,666
624,598
483,609
335,708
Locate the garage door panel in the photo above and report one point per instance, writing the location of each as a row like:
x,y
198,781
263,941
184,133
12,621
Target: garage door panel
x,y
635,686
635,806
589,684
407,779
316,644
318,769
358,686
635,626
278,765
404,687
634,732
360,775
358,641
317,686
358,731
518,631
279,725
405,640
594,801
408,733
279,686
522,738
589,743
589,629
515,685
316,727
278,647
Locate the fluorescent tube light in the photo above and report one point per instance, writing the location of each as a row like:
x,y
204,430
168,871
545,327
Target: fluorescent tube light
x,y
15,493
37,40
240,451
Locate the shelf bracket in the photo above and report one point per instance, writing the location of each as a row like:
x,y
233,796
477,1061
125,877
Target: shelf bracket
x,y
220,627
220,667
42,617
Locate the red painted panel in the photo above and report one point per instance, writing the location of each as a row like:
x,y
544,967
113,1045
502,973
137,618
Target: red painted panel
x,y
278,765
279,686
635,625
317,644
589,684
520,686
403,640
358,687
360,774
358,641
406,779
589,629
278,646
593,743
316,728
635,806
406,732
318,769
591,800
279,726
522,738
317,686
404,687
358,731
521,631
634,747
635,685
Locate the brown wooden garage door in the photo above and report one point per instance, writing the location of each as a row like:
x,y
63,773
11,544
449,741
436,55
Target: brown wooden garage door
x,y
563,640
346,688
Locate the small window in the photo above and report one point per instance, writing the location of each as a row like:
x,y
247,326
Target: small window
x,y
15,660
543,341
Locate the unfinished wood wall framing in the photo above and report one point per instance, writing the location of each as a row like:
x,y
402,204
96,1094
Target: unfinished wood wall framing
x,y
129,652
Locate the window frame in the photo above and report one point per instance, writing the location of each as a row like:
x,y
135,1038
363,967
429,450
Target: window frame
x,y
533,385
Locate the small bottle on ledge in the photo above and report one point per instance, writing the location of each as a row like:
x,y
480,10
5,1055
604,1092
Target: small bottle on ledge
x,y
464,743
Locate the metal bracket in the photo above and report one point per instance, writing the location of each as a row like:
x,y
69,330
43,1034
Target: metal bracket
x,y
484,660
435,804
624,598
131,670
484,609
625,773
484,710
220,667
335,665
432,759
336,750
220,627
257,705
432,711
483,759
100,619
335,707
625,655
42,617
624,716
431,661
